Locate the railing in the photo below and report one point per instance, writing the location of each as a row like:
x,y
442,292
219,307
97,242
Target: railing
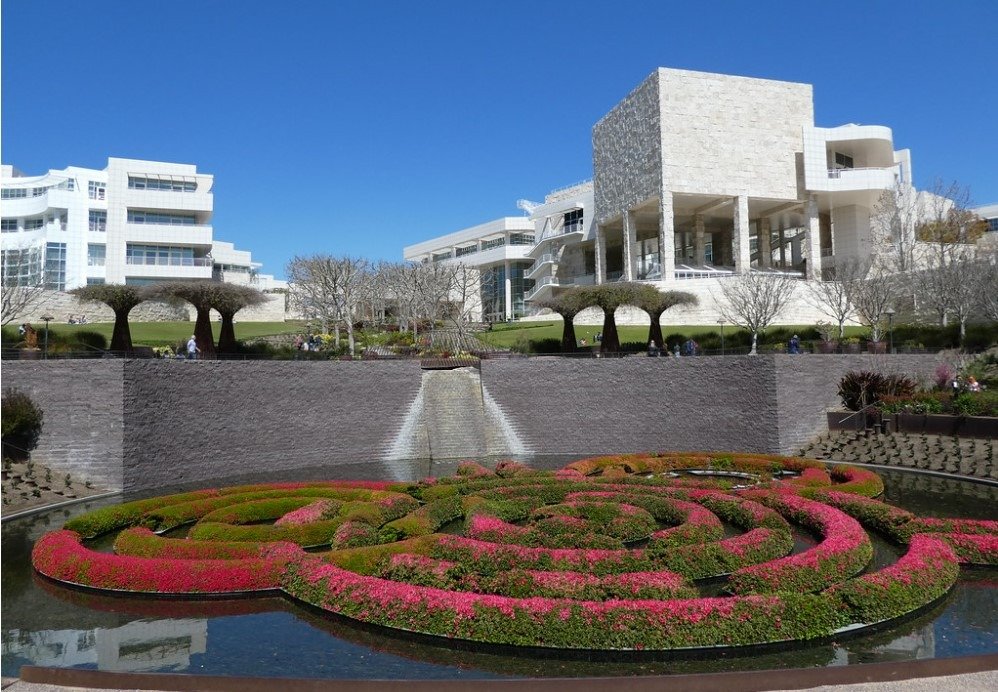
x,y
835,173
170,261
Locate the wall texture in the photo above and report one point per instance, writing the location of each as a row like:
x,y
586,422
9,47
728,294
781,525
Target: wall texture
x,y
147,424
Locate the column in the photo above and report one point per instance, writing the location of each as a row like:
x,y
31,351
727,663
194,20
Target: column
x,y
783,245
699,245
765,243
630,239
509,291
740,236
600,254
812,238
666,236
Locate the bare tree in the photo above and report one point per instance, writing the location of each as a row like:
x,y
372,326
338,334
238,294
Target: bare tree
x,y
466,297
947,227
328,288
872,292
121,299
893,225
754,300
987,286
21,282
832,297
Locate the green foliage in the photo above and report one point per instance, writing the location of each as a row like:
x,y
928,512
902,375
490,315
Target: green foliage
x,y
22,420
976,403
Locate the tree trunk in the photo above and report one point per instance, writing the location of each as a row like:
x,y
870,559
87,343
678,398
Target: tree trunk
x,y
611,341
842,330
963,330
336,332
755,341
202,333
350,342
227,334
121,336
568,343
655,331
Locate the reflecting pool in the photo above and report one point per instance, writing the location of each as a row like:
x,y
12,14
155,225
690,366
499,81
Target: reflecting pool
x,y
49,625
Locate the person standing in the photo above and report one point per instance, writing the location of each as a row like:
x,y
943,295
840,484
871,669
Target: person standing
x,y
192,348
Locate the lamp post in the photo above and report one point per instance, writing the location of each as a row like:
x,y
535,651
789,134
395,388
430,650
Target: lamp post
x,y
46,319
890,327
721,323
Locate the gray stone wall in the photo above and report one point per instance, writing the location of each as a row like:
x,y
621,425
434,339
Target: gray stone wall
x,y
627,152
83,424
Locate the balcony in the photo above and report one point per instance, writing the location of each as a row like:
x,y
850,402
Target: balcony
x,y
168,234
858,179
539,263
552,282
169,267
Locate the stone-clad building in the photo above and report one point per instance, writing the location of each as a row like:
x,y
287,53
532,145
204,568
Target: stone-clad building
x,y
697,176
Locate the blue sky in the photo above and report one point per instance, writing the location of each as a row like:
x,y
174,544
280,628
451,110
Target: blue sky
x,y
361,127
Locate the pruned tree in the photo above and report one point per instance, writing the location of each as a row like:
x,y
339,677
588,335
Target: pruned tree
x,y
655,303
755,300
202,295
872,290
21,283
608,297
121,299
230,299
568,305
894,224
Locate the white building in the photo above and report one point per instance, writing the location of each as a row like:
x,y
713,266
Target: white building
x,y
135,222
700,176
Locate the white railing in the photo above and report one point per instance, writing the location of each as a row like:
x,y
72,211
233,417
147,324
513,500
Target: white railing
x,y
171,261
837,172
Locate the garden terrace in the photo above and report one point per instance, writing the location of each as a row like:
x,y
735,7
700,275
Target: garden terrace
x,y
635,552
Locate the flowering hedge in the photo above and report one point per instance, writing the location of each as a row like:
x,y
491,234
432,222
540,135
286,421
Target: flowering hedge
x,y
604,554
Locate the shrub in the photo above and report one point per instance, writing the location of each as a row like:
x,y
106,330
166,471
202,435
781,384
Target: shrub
x,y
91,339
22,421
976,404
860,389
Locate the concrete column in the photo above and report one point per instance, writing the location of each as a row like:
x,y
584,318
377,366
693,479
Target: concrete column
x,y
667,237
699,257
813,239
783,246
740,236
509,291
630,239
765,243
600,254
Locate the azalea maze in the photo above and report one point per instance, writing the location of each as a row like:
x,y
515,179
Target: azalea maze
x,y
656,551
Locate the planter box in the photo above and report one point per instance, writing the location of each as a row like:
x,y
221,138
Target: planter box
x,y
850,348
876,347
828,346
939,424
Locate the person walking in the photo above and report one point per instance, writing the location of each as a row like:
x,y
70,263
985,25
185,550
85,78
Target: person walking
x,y
192,348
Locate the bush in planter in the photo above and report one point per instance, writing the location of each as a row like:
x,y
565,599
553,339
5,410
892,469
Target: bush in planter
x,y
22,422
976,404
859,389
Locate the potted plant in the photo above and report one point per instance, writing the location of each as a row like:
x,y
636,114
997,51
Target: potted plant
x,y
850,345
876,347
828,344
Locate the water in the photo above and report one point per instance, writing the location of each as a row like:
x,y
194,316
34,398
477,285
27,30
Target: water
x,y
45,624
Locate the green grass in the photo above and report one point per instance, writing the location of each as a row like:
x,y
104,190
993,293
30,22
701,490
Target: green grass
x,y
170,333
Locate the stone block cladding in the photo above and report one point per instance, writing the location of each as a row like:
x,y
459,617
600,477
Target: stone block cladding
x,y
189,422
83,415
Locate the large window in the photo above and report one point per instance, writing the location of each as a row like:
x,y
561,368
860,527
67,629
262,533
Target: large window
x,y
21,267
164,255
649,266
8,225
34,224
135,216
573,221
55,266
494,242
521,238
493,291
97,189
170,184
98,220
843,161
13,193
96,254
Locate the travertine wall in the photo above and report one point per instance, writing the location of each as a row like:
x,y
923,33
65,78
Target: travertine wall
x,y
728,135
627,152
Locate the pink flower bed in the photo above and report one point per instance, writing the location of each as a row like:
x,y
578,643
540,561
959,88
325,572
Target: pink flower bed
x,y
309,513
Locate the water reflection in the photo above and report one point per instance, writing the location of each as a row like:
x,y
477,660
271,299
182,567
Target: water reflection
x,y
47,624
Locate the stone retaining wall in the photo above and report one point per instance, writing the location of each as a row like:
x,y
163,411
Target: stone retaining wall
x,y
148,423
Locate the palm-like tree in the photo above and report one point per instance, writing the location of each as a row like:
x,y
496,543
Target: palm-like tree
x,y
568,305
121,299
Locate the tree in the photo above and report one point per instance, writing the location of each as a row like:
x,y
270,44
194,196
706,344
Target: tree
x,y
568,305
229,300
609,297
121,299
21,283
872,289
202,295
329,289
987,287
947,227
755,300
655,303
832,298
893,225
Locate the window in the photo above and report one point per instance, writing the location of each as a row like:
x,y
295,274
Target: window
x,y
34,224
156,217
169,184
55,266
39,191
8,225
13,193
462,251
97,189
96,254
573,221
494,242
95,281
164,255
843,161
98,220
993,224
442,256
521,238
21,267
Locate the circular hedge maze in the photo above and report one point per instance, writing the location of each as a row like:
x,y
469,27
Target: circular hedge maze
x,y
655,551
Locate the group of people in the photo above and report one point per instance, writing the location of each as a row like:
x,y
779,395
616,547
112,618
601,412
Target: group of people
x,y
969,385
77,319
312,342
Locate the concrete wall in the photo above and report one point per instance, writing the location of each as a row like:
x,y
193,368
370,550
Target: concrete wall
x,y
148,424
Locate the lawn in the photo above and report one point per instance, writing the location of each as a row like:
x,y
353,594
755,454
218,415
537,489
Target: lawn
x,y
170,333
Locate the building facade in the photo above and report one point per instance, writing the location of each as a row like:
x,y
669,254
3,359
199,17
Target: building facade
x,y
700,176
134,222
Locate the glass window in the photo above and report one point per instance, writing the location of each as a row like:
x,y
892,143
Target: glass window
x,y
13,193
33,224
843,161
21,267
96,189
98,220
96,254
168,184
521,238
55,266
8,225
573,221
163,255
495,242
139,216
95,281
